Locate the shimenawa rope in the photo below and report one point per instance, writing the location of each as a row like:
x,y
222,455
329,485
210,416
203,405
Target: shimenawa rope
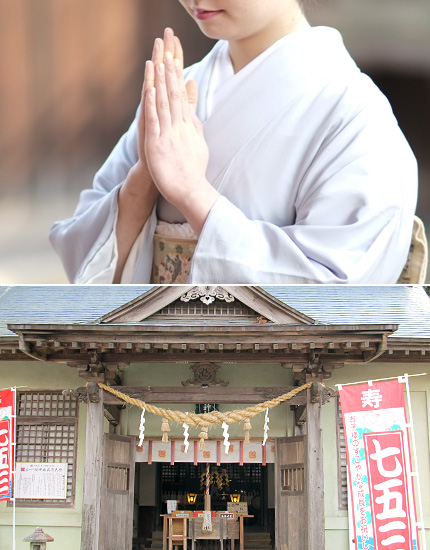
x,y
208,419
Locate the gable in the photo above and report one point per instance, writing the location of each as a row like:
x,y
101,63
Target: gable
x,y
214,304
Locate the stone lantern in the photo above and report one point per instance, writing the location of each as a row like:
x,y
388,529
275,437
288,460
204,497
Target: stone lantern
x,y
38,539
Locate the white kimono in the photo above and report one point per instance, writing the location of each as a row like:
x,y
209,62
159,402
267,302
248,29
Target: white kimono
x,y
317,182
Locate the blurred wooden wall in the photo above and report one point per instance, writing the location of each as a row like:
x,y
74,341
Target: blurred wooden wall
x,y
70,77
71,72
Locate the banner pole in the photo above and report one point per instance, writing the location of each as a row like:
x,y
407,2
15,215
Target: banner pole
x,y
405,380
14,470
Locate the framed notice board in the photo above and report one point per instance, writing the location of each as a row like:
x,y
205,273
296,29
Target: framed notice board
x,y
47,480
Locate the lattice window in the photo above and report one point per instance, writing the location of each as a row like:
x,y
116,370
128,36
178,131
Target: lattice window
x,y
47,425
187,477
217,307
293,478
46,404
118,478
342,475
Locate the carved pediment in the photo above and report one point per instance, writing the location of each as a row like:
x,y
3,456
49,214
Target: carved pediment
x,y
247,304
204,375
207,294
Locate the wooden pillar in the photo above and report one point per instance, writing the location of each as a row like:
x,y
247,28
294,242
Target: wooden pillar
x,y
315,473
93,472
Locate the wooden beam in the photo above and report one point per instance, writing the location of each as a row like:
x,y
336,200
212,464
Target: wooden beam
x,y
112,413
417,354
197,394
315,472
263,357
300,415
239,356
146,305
206,332
92,475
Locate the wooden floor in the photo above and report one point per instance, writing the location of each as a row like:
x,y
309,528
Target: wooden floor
x,y
256,538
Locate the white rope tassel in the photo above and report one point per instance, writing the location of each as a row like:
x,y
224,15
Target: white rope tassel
x,y
186,436
226,437
207,522
266,427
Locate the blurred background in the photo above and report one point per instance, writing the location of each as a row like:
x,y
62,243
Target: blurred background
x,y
70,81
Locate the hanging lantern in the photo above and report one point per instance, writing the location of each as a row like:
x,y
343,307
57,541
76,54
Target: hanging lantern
x,y
191,498
235,498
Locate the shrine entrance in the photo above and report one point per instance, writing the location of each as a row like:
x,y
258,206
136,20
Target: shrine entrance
x,y
244,488
229,483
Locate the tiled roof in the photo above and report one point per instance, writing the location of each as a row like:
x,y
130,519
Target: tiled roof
x,y
61,304
407,306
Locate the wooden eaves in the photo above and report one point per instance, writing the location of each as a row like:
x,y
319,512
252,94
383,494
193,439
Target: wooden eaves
x,y
137,343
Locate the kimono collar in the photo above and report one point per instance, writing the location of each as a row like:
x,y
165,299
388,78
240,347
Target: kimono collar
x,y
297,64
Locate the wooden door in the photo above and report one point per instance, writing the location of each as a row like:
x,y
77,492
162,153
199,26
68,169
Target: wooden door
x,y
116,514
290,507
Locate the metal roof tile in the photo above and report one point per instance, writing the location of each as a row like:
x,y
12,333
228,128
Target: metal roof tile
x,y
408,306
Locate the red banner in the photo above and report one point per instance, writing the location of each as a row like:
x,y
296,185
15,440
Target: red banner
x,y
379,466
388,484
6,448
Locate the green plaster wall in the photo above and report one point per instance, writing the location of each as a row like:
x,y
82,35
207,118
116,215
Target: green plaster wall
x,y
64,524
281,420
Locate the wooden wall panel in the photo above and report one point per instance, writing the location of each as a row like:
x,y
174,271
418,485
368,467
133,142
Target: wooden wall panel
x,y
15,86
71,74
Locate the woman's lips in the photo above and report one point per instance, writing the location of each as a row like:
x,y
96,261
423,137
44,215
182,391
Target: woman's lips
x,y
203,15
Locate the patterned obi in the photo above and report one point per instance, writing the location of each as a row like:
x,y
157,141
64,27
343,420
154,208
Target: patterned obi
x,y
172,256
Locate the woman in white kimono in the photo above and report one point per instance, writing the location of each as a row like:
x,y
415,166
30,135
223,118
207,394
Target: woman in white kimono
x,y
290,168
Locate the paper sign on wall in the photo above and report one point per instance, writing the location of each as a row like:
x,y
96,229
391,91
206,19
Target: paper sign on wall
x,y
41,480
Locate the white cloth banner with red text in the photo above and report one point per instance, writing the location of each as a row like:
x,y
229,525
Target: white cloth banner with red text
x,y
6,439
379,466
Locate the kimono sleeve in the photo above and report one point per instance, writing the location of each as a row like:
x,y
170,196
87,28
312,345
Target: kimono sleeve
x,y
353,221
78,239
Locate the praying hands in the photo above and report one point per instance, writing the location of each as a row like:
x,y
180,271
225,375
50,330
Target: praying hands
x,y
174,146
172,152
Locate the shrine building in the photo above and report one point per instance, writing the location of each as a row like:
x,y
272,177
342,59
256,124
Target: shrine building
x,y
98,474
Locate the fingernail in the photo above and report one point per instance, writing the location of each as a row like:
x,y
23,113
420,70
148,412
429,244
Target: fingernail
x,y
169,56
160,68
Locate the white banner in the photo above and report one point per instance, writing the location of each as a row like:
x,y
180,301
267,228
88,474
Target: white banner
x,y
252,453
